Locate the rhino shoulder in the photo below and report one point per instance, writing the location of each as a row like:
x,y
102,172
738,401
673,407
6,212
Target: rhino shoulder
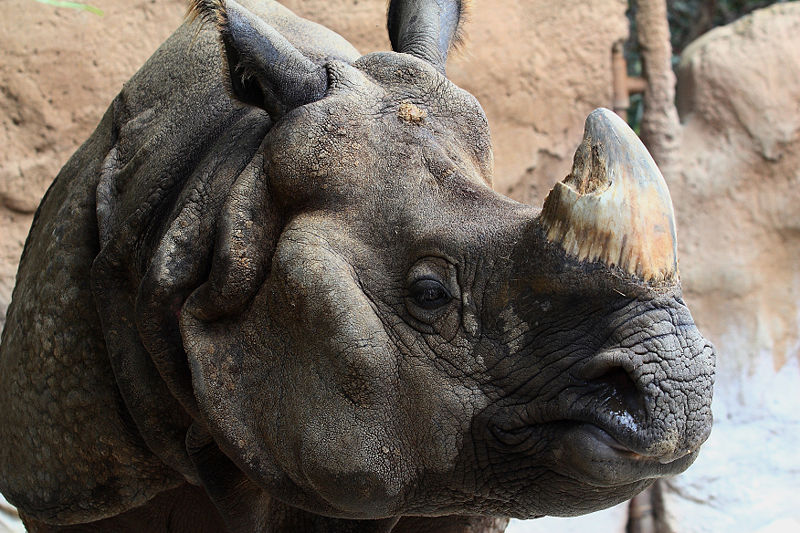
x,y
67,412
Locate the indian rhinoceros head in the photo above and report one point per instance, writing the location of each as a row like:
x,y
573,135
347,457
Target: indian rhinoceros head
x,y
382,333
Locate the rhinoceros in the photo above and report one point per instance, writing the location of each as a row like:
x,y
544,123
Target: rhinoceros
x,y
275,291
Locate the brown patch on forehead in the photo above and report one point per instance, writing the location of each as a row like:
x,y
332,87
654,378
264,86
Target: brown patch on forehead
x,y
410,113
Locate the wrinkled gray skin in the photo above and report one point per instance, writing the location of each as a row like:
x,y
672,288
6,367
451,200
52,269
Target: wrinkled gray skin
x,y
231,316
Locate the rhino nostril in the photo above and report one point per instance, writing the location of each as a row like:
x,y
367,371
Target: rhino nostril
x,y
619,393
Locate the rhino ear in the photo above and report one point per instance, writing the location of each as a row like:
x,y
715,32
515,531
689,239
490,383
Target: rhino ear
x,y
265,69
426,29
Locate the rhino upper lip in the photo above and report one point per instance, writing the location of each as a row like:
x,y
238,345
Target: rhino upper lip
x,y
616,431
516,437
597,458
604,437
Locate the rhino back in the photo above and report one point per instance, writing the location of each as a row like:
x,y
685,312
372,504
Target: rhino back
x,y
79,395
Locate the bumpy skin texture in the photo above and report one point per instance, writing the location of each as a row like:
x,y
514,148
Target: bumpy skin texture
x,y
318,316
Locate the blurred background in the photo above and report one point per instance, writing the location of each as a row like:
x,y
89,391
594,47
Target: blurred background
x,y
713,88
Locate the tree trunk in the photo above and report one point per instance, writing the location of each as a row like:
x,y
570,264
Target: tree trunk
x,y
661,129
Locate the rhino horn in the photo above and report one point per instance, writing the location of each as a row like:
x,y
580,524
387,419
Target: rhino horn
x,y
614,207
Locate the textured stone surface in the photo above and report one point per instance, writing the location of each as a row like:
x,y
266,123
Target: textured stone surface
x,y
736,199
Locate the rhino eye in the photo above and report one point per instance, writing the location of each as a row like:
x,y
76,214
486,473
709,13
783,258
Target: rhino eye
x,y
429,294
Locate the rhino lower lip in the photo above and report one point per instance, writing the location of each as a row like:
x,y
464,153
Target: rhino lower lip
x,y
604,437
594,457
589,454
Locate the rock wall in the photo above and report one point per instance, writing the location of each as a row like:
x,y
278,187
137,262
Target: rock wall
x,y
737,199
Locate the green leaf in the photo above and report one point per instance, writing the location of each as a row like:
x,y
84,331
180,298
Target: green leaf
x,y
73,5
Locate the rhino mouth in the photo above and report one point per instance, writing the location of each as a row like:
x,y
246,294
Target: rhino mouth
x,y
598,433
591,455
587,452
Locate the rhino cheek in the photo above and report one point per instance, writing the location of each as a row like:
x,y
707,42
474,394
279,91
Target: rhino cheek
x,y
339,382
371,413
300,413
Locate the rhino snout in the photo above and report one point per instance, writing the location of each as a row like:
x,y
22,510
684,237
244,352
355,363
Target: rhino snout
x,y
649,418
624,400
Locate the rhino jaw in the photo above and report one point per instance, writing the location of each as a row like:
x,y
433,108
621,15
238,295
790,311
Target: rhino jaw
x,y
614,207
